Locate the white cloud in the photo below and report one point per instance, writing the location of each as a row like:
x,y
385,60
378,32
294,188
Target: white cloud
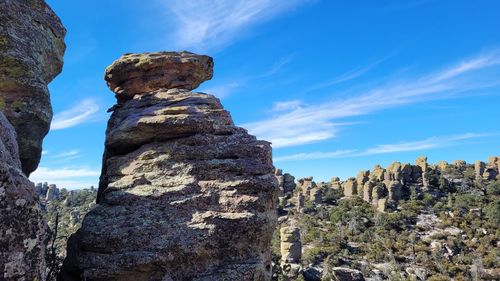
x,y
315,155
350,75
66,154
45,152
206,24
66,177
420,145
81,113
316,122
287,105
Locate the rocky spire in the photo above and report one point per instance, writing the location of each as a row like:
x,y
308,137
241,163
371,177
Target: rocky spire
x,y
184,194
31,51
31,55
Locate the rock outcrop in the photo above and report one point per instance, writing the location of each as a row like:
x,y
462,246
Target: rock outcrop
x,y
22,229
31,55
291,250
31,51
184,194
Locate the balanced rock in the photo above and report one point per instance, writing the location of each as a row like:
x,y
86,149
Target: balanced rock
x,y
22,229
335,182
31,55
142,73
184,194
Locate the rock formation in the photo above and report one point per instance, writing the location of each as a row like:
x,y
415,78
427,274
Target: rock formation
x,y
184,194
31,55
335,183
31,51
22,229
291,250
350,187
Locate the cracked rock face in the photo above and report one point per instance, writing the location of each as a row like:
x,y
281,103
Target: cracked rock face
x,y
22,229
184,194
31,55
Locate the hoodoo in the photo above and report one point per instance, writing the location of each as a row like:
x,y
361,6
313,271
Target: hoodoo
x,y
184,194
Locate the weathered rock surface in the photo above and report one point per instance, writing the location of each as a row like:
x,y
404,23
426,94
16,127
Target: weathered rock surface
x,y
22,229
184,194
350,187
141,73
31,55
290,249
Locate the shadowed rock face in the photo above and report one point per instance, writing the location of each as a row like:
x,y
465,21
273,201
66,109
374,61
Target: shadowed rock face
x,y
31,55
184,194
22,229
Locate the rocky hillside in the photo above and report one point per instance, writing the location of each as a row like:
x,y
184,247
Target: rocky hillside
x,y
403,222
63,210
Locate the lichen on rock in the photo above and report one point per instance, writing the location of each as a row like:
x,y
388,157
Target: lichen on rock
x,y
22,229
31,55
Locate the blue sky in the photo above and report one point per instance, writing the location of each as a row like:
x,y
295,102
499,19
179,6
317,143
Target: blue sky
x,y
337,86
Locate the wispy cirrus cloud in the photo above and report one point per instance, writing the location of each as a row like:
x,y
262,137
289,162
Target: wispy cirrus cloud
x,y
350,75
206,24
287,105
318,122
65,156
419,145
81,113
67,177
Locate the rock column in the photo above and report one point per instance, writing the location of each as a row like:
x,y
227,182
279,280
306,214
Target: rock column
x,y
31,55
291,250
31,52
184,194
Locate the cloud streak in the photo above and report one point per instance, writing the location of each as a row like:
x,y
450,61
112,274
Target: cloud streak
x,y
317,122
420,145
207,24
81,113
66,177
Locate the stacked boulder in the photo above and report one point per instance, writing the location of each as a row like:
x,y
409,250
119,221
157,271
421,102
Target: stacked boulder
x,y
31,52
286,185
310,190
184,194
